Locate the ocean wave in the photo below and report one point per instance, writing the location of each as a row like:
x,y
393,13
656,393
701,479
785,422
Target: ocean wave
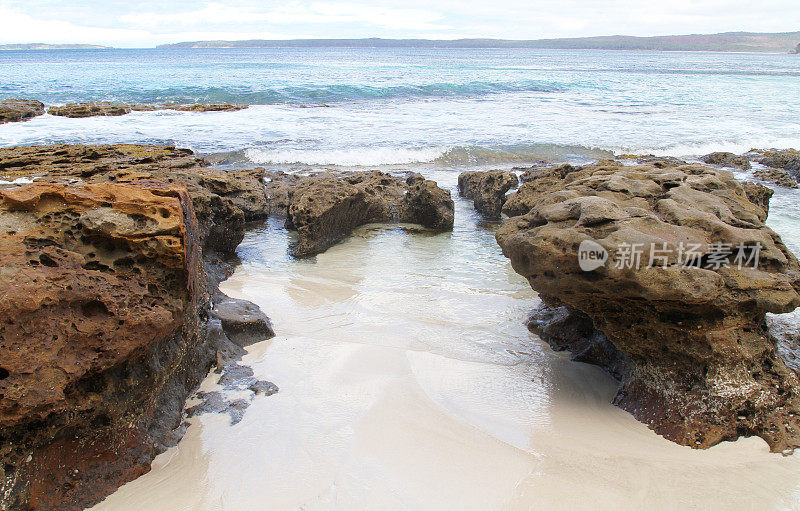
x,y
311,94
458,156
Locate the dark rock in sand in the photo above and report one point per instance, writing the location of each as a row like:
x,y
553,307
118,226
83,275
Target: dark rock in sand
x,y
705,368
93,109
724,159
487,190
571,330
242,321
16,110
325,207
105,321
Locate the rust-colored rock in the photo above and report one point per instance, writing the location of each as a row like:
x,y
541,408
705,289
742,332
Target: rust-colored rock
x,y
487,189
223,200
16,110
92,109
325,207
106,325
96,281
705,368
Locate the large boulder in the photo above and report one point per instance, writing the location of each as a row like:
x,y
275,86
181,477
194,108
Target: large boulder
x,y
106,321
92,109
15,110
325,207
487,189
705,368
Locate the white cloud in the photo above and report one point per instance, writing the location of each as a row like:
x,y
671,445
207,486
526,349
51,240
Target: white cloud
x,y
150,22
217,13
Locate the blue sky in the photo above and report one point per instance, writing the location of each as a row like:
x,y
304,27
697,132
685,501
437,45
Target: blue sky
x,y
147,23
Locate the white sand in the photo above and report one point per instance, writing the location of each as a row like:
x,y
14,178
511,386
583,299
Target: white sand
x,y
408,381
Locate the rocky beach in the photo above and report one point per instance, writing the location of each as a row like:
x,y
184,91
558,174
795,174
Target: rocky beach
x,y
194,323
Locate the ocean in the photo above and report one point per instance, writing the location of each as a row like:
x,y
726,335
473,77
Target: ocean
x,y
399,106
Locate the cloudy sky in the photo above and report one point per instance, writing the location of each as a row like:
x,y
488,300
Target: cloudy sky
x,y
127,23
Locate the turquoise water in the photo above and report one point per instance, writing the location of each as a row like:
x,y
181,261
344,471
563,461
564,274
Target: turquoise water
x,y
455,107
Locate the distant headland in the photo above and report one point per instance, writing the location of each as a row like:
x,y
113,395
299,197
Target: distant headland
x,y
783,42
42,46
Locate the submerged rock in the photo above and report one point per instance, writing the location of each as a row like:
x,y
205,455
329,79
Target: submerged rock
x,y
325,207
487,190
704,366
16,110
106,324
724,159
92,109
197,107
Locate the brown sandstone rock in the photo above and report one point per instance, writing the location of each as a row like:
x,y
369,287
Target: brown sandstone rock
x,y
705,368
15,110
223,200
93,109
724,159
105,322
487,190
325,207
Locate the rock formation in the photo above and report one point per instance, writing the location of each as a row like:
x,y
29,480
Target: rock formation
x,y
196,107
15,110
106,108
487,190
325,207
106,318
724,159
788,160
93,109
775,176
223,200
702,366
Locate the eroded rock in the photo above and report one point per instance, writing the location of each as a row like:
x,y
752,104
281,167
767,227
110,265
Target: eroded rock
x,y
705,368
487,190
325,207
16,110
223,200
105,319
